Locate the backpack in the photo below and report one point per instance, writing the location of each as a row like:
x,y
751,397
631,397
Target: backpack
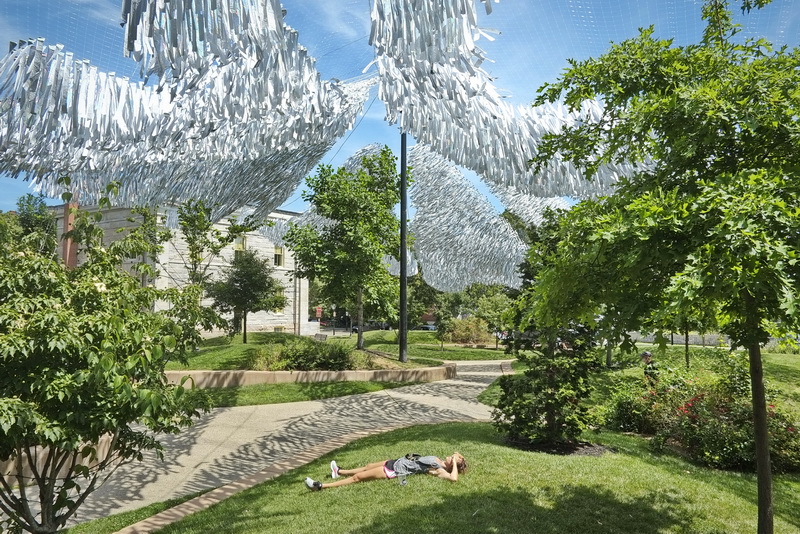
x,y
428,462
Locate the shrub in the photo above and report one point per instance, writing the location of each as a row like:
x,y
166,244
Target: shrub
x,y
301,354
785,345
711,420
636,406
543,406
333,356
267,358
470,330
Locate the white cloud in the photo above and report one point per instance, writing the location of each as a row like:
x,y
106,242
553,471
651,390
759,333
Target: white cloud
x,y
101,10
345,21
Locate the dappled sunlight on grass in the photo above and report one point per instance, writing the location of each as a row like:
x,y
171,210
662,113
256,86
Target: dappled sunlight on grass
x,y
223,353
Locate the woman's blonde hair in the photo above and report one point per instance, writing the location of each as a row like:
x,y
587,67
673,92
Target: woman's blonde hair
x,y
462,465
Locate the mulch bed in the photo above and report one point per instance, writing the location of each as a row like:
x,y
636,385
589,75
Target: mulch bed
x,y
581,448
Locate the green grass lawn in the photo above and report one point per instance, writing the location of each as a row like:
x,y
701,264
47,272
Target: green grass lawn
x,y
506,490
423,344
119,521
783,372
631,490
220,353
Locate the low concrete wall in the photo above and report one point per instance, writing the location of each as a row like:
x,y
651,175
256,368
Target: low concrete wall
x,y
224,379
9,467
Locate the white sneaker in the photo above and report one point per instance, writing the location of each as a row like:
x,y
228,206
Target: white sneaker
x,y
312,484
334,469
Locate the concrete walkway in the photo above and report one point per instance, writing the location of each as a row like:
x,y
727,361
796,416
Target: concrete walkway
x,y
235,448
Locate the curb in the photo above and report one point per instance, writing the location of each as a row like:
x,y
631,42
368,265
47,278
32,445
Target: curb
x,y
223,379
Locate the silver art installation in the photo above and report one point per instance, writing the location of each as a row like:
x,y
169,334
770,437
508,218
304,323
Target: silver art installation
x,y
237,114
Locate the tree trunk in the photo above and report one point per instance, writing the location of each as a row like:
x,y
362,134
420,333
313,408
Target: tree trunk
x,y
552,381
609,351
360,341
763,467
244,327
686,346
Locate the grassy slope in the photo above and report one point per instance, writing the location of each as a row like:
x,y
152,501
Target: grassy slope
x,y
117,522
505,491
422,344
783,372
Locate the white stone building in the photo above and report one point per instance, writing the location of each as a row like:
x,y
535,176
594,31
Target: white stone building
x,y
173,271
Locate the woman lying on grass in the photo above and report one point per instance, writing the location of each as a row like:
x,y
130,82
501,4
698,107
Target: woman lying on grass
x,y
411,464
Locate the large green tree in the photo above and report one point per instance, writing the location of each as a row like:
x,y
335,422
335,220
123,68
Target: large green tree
x,y
204,239
35,218
247,286
34,215
83,355
711,216
422,299
347,255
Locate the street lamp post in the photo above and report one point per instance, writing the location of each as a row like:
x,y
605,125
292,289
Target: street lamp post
x,y
403,333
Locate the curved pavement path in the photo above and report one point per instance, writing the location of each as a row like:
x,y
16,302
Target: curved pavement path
x,y
235,448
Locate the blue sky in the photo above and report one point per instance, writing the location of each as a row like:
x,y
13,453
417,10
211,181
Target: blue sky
x,y
536,37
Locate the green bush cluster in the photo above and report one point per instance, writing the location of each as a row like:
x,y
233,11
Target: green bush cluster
x,y
545,404
470,330
301,354
711,420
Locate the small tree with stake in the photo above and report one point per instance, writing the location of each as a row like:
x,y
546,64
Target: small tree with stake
x,y
347,255
247,286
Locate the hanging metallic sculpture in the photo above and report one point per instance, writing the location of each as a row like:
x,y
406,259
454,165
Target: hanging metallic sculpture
x,y
459,239
248,135
239,114
432,83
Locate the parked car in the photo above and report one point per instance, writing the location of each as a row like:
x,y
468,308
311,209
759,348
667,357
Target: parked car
x,y
430,327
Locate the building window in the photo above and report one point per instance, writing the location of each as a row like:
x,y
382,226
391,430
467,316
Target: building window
x,y
239,245
277,259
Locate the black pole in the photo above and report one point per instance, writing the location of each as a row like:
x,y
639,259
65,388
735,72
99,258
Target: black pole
x,y
403,254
